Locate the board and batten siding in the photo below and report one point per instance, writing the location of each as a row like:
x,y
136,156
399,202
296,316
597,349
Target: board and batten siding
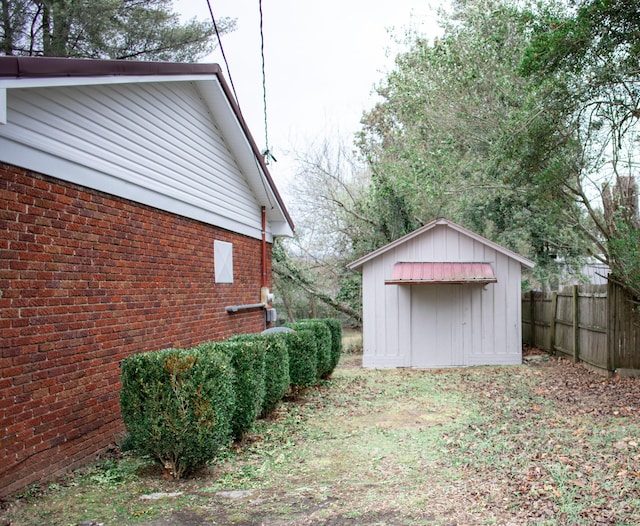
x,y
397,318
154,143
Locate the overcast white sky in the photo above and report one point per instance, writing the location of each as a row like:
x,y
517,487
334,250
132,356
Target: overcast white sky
x,y
322,60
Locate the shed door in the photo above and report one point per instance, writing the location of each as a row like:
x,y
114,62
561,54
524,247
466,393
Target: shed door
x,y
440,324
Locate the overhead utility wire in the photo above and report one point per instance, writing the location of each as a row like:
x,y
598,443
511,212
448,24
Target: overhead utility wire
x,y
224,57
266,153
233,88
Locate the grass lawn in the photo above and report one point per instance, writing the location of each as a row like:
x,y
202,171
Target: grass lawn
x,y
548,443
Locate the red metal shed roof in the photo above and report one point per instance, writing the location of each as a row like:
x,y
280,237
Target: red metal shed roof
x,y
441,272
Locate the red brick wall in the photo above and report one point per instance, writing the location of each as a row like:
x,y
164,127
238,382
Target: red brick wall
x,y
86,279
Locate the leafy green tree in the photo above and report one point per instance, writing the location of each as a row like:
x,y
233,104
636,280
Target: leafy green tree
x,y
433,140
115,29
430,148
580,142
481,126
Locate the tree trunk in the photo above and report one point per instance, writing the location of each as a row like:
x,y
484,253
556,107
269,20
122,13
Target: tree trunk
x,y
56,26
287,305
7,44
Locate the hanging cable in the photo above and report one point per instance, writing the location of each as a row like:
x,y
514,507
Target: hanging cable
x,y
266,153
224,57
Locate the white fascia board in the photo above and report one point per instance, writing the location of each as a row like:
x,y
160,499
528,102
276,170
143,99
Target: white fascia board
x,y
45,82
281,229
3,106
232,130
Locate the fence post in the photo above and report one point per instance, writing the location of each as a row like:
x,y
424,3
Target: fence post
x,y
576,327
552,322
532,310
611,328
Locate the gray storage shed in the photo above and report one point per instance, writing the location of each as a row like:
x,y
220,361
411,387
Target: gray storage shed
x,y
441,296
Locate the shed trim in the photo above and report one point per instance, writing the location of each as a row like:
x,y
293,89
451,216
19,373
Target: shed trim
x,y
436,273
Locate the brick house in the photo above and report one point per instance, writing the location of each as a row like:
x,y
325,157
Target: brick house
x,y
135,208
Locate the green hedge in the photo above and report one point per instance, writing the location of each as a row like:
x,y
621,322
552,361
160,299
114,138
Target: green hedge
x,y
178,406
303,357
182,407
335,326
277,379
322,335
248,360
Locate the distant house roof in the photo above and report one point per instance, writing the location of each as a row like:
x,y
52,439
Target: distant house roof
x,y
354,265
28,72
440,273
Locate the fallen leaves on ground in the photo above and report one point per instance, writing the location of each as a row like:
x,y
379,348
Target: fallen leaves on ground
x,y
554,443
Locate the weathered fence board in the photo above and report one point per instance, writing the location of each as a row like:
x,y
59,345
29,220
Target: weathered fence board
x,y
624,330
595,324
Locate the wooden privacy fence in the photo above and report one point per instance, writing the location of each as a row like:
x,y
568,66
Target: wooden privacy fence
x,y
595,324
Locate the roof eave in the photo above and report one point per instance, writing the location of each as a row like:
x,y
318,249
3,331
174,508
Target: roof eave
x,y
51,68
26,72
264,187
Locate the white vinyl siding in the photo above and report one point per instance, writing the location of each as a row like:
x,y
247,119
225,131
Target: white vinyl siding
x,y
154,143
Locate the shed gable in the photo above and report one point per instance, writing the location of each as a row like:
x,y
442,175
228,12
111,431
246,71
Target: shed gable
x,y
441,240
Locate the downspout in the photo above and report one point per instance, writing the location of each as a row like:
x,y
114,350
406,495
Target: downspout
x,y
264,248
265,295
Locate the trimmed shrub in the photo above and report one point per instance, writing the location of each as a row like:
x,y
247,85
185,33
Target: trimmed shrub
x,y
276,366
303,357
335,327
177,406
248,361
323,342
